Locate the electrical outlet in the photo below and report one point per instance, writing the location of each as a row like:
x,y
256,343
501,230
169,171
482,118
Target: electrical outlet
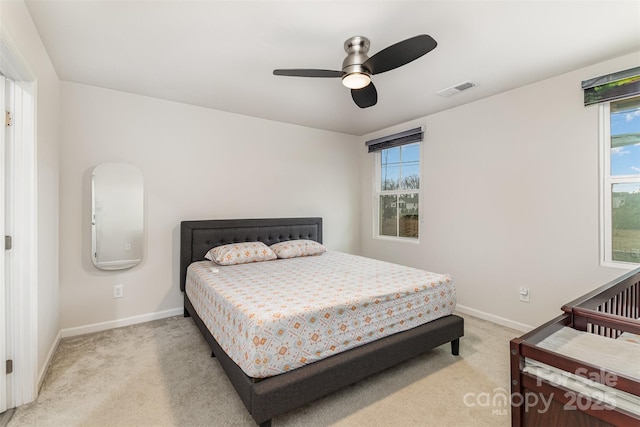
x,y
118,291
524,294
127,247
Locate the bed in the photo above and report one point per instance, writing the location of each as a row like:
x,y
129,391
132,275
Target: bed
x,y
268,396
583,367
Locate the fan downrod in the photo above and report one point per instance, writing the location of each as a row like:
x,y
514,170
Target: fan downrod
x,y
357,44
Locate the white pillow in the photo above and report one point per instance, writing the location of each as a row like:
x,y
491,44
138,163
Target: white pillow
x,y
296,248
240,253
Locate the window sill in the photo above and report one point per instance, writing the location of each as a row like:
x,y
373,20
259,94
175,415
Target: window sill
x,y
398,239
621,265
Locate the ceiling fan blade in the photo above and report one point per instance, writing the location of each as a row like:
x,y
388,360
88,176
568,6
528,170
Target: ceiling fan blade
x,y
365,97
400,54
307,72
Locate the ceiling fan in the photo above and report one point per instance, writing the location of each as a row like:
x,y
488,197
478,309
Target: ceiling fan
x,y
357,67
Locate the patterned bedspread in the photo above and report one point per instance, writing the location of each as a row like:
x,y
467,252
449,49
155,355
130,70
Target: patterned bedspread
x,y
274,316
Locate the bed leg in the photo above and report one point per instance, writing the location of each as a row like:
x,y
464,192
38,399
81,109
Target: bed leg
x,y
186,313
455,347
265,423
213,354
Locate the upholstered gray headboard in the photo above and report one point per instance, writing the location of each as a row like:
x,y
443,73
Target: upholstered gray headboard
x,y
197,237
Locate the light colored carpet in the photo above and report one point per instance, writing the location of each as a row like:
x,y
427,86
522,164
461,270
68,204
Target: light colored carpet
x,y
161,373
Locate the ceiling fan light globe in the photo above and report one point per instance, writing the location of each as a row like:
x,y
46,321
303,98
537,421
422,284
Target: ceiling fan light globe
x,y
356,80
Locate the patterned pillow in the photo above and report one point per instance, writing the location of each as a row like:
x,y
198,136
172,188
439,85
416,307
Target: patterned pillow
x,y
296,248
240,253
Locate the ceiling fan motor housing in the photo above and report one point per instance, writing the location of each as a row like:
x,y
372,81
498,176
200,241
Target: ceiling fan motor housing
x,y
356,48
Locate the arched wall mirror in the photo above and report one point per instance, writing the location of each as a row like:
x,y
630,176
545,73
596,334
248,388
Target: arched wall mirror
x,y
117,216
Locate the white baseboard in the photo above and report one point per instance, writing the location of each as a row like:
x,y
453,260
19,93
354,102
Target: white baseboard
x,y
495,319
47,362
103,326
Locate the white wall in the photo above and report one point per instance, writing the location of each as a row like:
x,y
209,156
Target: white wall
x,y
197,163
18,30
509,197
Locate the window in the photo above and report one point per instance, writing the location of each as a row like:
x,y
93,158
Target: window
x,y
620,189
398,188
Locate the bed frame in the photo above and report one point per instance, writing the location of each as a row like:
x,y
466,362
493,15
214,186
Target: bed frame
x,y
268,397
607,311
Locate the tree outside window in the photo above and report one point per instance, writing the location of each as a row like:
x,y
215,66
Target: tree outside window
x,y
398,191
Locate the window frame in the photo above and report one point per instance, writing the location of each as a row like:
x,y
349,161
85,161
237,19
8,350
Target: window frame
x,y
605,194
378,193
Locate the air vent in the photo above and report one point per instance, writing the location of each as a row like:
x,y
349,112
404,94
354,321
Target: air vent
x,y
455,89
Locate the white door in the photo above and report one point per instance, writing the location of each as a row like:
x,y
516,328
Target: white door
x,y
4,136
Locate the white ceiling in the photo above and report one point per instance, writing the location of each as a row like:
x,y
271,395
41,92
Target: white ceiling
x,y
221,54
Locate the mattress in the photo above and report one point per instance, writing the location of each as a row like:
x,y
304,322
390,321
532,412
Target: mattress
x,y
612,354
596,350
608,397
275,316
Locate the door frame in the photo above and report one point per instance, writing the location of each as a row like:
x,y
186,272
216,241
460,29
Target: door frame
x,y
4,137
21,263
